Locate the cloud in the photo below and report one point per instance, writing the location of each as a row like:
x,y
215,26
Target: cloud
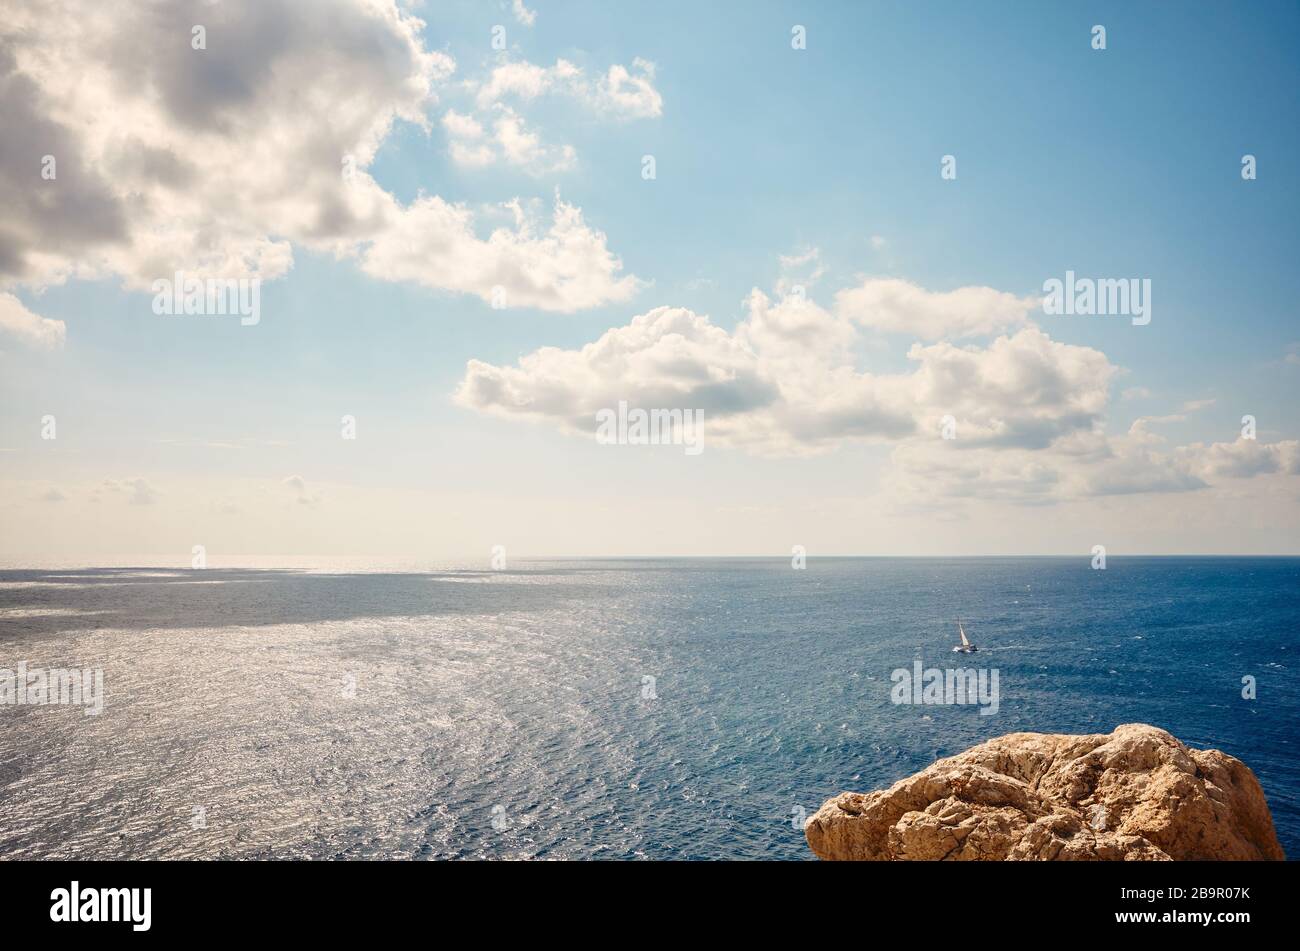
x,y
897,306
1136,462
1085,464
668,356
498,134
1029,412
784,382
619,93
20,323
566,267
462,127
522,13
1242,459
1024,390
630,95
302,493
510,142
928,475
801,269
219,161
1132,464
524,81
137,490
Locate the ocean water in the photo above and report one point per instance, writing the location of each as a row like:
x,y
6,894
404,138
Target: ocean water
x,y
478,714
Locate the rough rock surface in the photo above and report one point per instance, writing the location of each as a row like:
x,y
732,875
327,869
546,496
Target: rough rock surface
x,y
1137,794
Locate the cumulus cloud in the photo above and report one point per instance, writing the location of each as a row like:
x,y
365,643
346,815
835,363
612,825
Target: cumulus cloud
x,y
1242,459
784,381
1028,412
1024,390
891,305
1134,463
219,161
564,267
668,356
17,322
1085,464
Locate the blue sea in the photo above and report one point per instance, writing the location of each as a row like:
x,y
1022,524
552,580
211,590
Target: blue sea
x,y
608,709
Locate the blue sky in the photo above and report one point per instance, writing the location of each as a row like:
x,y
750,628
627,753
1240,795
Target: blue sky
x,y
1116,163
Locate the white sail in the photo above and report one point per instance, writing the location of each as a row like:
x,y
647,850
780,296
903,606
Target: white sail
x,y
961,630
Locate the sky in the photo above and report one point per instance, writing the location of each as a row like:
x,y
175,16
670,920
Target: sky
x,y
826,227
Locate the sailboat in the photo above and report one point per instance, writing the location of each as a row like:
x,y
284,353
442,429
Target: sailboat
x,y
965,647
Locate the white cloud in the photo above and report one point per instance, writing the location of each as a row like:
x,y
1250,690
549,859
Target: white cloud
x,y
1242,459
801,269
461,126
668,356
620,92
19,322
524,81
564,268
1024,390
522,13
896,306
220,161
800,258
630,95
510,142
1029,411
783,382
523,148
1134,463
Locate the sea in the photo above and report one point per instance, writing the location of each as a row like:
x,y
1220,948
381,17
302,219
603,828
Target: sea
x,y
619,709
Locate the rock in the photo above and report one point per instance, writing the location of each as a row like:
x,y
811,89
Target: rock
x,y
1137,794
